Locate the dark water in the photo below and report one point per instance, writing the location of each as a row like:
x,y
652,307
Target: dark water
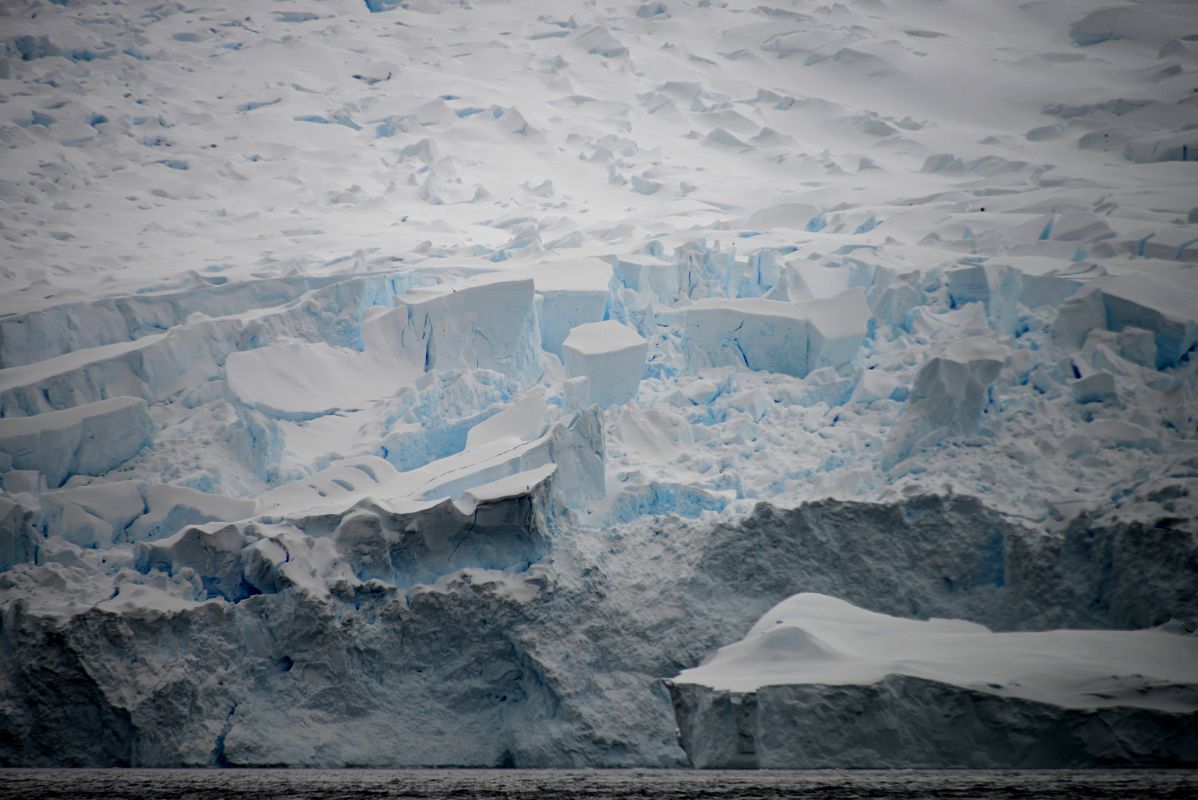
x,y
204,784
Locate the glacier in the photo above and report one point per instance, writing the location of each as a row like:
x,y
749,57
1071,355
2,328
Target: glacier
x,y
370,397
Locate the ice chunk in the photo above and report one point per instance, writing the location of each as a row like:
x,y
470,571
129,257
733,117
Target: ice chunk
x,y
1168,307
1096,388
488,323
90,439
896,303
776,336
575,445
819,683
663,280
998,289
576,393
837,327
19,537
1046,290
758,334
497,528
302,380
947,398
513,486
332,489
23,480
812,281
968,285
1138,346
874,384
597,40
571,293
1163,146
213,552
444,184
286,557
1120,433
93,516
611,356
1076,317
299,380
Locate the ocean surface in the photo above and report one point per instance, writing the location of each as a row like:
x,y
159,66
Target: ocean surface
x,y
205,784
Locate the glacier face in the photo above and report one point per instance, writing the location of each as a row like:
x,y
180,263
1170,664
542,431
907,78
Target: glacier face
x,y
901,722
367,398
559,662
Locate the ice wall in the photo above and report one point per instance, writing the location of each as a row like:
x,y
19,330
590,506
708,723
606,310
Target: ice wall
x,y
776,336
484,325
327,486
315,666
902,722
88,439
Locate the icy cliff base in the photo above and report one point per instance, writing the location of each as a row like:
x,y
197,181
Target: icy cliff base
x,y
558,664
819,683
902,722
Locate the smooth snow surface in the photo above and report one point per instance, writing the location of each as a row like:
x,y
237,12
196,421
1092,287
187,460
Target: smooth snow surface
x,y
816,639
342,303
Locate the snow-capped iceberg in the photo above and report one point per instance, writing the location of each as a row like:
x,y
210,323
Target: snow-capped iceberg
x,y
819,683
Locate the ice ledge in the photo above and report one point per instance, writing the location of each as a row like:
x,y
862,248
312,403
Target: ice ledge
x,y
89,439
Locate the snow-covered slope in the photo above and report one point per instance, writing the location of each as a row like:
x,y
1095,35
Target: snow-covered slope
x,y
459,329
